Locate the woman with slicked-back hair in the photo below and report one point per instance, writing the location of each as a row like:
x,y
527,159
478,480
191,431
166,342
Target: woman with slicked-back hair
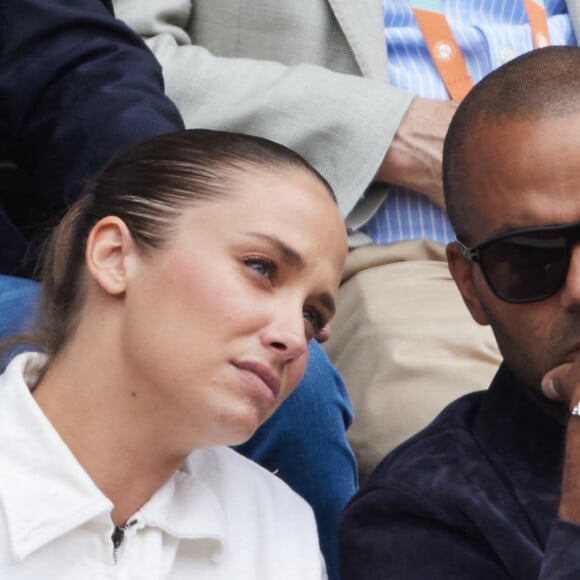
x,y
179,296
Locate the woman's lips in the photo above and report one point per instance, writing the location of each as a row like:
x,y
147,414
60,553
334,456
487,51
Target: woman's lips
x,y
262,377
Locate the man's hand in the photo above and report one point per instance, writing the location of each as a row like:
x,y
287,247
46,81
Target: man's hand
x,y
415,156
562,383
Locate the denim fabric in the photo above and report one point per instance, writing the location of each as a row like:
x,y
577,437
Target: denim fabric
x,y
473,496
17,299
304,442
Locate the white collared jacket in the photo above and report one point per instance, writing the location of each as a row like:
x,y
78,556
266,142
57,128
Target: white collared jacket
x,y
220,516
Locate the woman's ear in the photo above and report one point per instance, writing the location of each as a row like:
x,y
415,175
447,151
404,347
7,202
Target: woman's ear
x,y
109,250
462,271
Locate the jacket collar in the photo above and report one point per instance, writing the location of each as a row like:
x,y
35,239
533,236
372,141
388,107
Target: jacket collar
x,y
43,490
48,494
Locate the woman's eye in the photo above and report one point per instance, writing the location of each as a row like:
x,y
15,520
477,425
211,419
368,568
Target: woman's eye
x,y
263,267
314,318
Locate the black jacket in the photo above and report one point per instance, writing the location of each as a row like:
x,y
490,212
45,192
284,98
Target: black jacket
x,y
76,86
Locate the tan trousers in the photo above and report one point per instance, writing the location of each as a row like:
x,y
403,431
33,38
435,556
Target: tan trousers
x,y
405,344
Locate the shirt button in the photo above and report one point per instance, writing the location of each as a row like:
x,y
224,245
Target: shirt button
x,y
506,53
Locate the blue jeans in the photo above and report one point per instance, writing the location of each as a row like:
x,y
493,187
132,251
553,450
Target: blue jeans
x,y
17,300
304,442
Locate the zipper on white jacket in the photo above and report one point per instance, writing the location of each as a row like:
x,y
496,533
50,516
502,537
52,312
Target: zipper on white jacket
x,y
118,536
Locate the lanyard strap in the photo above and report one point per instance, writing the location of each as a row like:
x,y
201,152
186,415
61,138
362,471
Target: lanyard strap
x,y
445,51
538,22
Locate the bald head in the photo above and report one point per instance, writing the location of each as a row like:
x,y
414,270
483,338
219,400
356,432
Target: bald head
x,y
542,83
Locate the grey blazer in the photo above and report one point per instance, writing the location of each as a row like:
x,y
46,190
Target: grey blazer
x,y
311,74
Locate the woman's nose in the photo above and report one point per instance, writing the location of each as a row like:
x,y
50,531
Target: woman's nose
x,y
286,334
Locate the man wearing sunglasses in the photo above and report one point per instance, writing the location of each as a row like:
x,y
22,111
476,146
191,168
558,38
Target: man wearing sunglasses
x,y
491,489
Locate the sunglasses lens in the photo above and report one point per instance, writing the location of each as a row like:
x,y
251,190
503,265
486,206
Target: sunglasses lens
x,y
527,266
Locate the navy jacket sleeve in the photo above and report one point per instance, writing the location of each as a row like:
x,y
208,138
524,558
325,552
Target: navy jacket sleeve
x,y
389,535
76,86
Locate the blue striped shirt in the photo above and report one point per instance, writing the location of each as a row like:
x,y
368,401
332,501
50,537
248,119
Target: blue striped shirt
x,y
489,33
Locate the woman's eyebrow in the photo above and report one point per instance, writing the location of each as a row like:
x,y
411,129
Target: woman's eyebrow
x,y
292,257
289,254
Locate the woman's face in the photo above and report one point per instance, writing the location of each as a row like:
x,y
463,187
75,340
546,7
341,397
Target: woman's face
x,y
216,325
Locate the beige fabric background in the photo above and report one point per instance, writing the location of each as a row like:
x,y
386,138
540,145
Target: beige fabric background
x,y
405,344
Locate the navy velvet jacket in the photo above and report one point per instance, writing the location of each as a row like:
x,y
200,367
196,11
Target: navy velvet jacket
x,y
76,86
473,496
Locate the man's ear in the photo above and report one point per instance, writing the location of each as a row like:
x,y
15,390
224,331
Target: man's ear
x,y
462,271
109,249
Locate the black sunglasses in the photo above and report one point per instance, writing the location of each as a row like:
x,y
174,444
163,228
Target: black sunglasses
x,y
526,265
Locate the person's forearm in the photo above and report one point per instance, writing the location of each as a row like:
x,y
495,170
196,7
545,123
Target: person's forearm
x,y
342,124
76,87
414,158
